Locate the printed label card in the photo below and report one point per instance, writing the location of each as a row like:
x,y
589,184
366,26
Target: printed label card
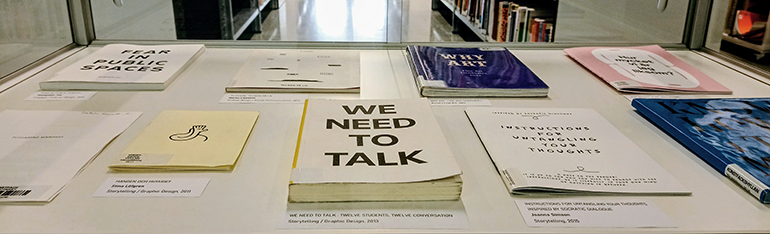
x,y
592,213
143,187
60,96
375,215
460,102
266,98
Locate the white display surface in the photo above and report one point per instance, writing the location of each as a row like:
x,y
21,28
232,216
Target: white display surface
x,y
253,196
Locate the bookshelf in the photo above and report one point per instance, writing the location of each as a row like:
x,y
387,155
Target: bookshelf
x,y
222,19
479,17
758,40
459,18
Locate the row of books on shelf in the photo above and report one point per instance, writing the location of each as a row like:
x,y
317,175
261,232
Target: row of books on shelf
x,y
511,21
389,134
515,23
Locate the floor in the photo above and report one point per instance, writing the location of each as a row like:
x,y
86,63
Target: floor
x,y
356,21
415,21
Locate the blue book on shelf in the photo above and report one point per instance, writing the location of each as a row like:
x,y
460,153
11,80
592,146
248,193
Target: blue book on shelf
x,y
472,72
732,135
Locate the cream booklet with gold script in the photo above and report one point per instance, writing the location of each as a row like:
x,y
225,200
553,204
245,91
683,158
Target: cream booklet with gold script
x,y
189,140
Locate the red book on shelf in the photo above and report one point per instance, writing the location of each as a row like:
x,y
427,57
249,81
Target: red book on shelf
x,y
749,23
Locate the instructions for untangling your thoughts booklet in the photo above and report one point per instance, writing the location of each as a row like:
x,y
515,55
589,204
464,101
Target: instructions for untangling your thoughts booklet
x,y
592,213
155,187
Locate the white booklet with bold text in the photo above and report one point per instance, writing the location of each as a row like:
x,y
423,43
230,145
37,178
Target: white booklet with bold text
x,y
126,67
372,150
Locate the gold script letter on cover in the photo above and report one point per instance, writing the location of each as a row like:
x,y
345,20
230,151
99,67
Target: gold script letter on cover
x,y
189,140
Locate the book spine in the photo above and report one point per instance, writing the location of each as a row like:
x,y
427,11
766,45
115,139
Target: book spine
x,y
504,174
417,65
747,182
493,15
548,32
541,30
464,8
512,16
508,181
299,137
521,21
483,14
534,26
515,27
528,24
502,28
471,12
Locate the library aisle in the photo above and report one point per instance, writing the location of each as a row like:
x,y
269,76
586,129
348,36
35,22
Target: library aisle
x,y
355,21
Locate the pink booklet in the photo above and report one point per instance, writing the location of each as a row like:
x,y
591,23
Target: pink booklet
x,y
645,69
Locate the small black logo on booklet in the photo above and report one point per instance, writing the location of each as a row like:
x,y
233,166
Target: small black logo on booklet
x,y
13,191
130,158
581,169
195,131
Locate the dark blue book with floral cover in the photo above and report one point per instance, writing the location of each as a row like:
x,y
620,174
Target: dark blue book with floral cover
x,y
472,72
732,135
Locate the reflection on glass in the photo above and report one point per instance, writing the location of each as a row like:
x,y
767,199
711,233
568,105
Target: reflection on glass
x,y
327,21
621,21
405,21
30,30
370,20
134,20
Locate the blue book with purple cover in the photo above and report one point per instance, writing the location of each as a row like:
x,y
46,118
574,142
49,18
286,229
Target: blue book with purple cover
x,y
472,72
732,135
